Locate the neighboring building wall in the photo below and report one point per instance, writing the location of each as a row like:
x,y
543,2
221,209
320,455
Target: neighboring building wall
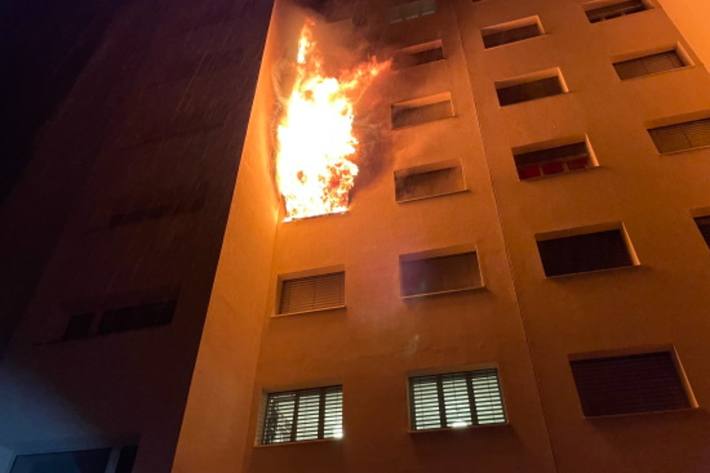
x,y
154,192
691,18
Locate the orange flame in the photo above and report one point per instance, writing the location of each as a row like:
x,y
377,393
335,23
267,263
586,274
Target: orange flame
x,y
315,134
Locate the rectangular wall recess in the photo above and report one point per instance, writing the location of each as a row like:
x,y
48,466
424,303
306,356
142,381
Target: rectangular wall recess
x,y
428,275
681,136
650,64
308,414
418,55
136,317
585,252
312,293
511,32
428,181
703,224
456,400
411,10
629,384
533,87
554,160
602,11
419,111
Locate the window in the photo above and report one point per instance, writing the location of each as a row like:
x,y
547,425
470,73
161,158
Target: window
x,y
651,64
551,161
418,111
612,10
530,88
584,253
81,461
168,203
308,414
428,181
682,136
456,400
419,54
324,291
137,317
629,384
79,326
411,10
426,275
511,32
703,224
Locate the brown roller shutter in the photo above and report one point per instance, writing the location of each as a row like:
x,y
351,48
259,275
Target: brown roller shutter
x,y
440,274
681,136
615,10
650,64
312,293
629,384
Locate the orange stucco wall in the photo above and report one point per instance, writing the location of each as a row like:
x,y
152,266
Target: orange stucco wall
x,y
691,18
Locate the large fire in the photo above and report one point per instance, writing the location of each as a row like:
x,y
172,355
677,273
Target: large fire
x,y
315,133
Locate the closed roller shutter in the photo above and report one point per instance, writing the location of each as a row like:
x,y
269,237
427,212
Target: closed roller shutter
x,y
312,293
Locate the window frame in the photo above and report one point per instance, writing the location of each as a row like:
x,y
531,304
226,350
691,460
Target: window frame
x,y
678,49
282,278
533,77
322,390
468,371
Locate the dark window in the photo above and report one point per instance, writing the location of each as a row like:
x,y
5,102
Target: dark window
x,y
411,10
303,415
650,64
496,36
79,326
415,56
629,384
615,10
439,274
681,136
456,400
557,160
530,90
85,461
420,183
416,113
168,204
126,459
324,291
704,227
137,317
583,253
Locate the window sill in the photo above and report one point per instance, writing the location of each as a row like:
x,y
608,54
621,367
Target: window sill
x,y
470,428
305,312
686,410
439,293
686,150
633,267
298,442
432,196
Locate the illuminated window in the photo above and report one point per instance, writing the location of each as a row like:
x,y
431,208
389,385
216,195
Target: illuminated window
x,y
511,32
629,384
601,11
428,181
584,253
681,136
456,400
536,86
425,274
411,10
650,64
312,293
703,224
423,110
419,54
553,161
308,414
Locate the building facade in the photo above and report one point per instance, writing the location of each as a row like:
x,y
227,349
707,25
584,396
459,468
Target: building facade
x,y
519,284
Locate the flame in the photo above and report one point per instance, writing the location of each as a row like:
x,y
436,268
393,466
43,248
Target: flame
x,y
315,134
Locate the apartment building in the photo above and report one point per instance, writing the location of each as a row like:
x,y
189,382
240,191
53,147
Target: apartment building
x,y
519,283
